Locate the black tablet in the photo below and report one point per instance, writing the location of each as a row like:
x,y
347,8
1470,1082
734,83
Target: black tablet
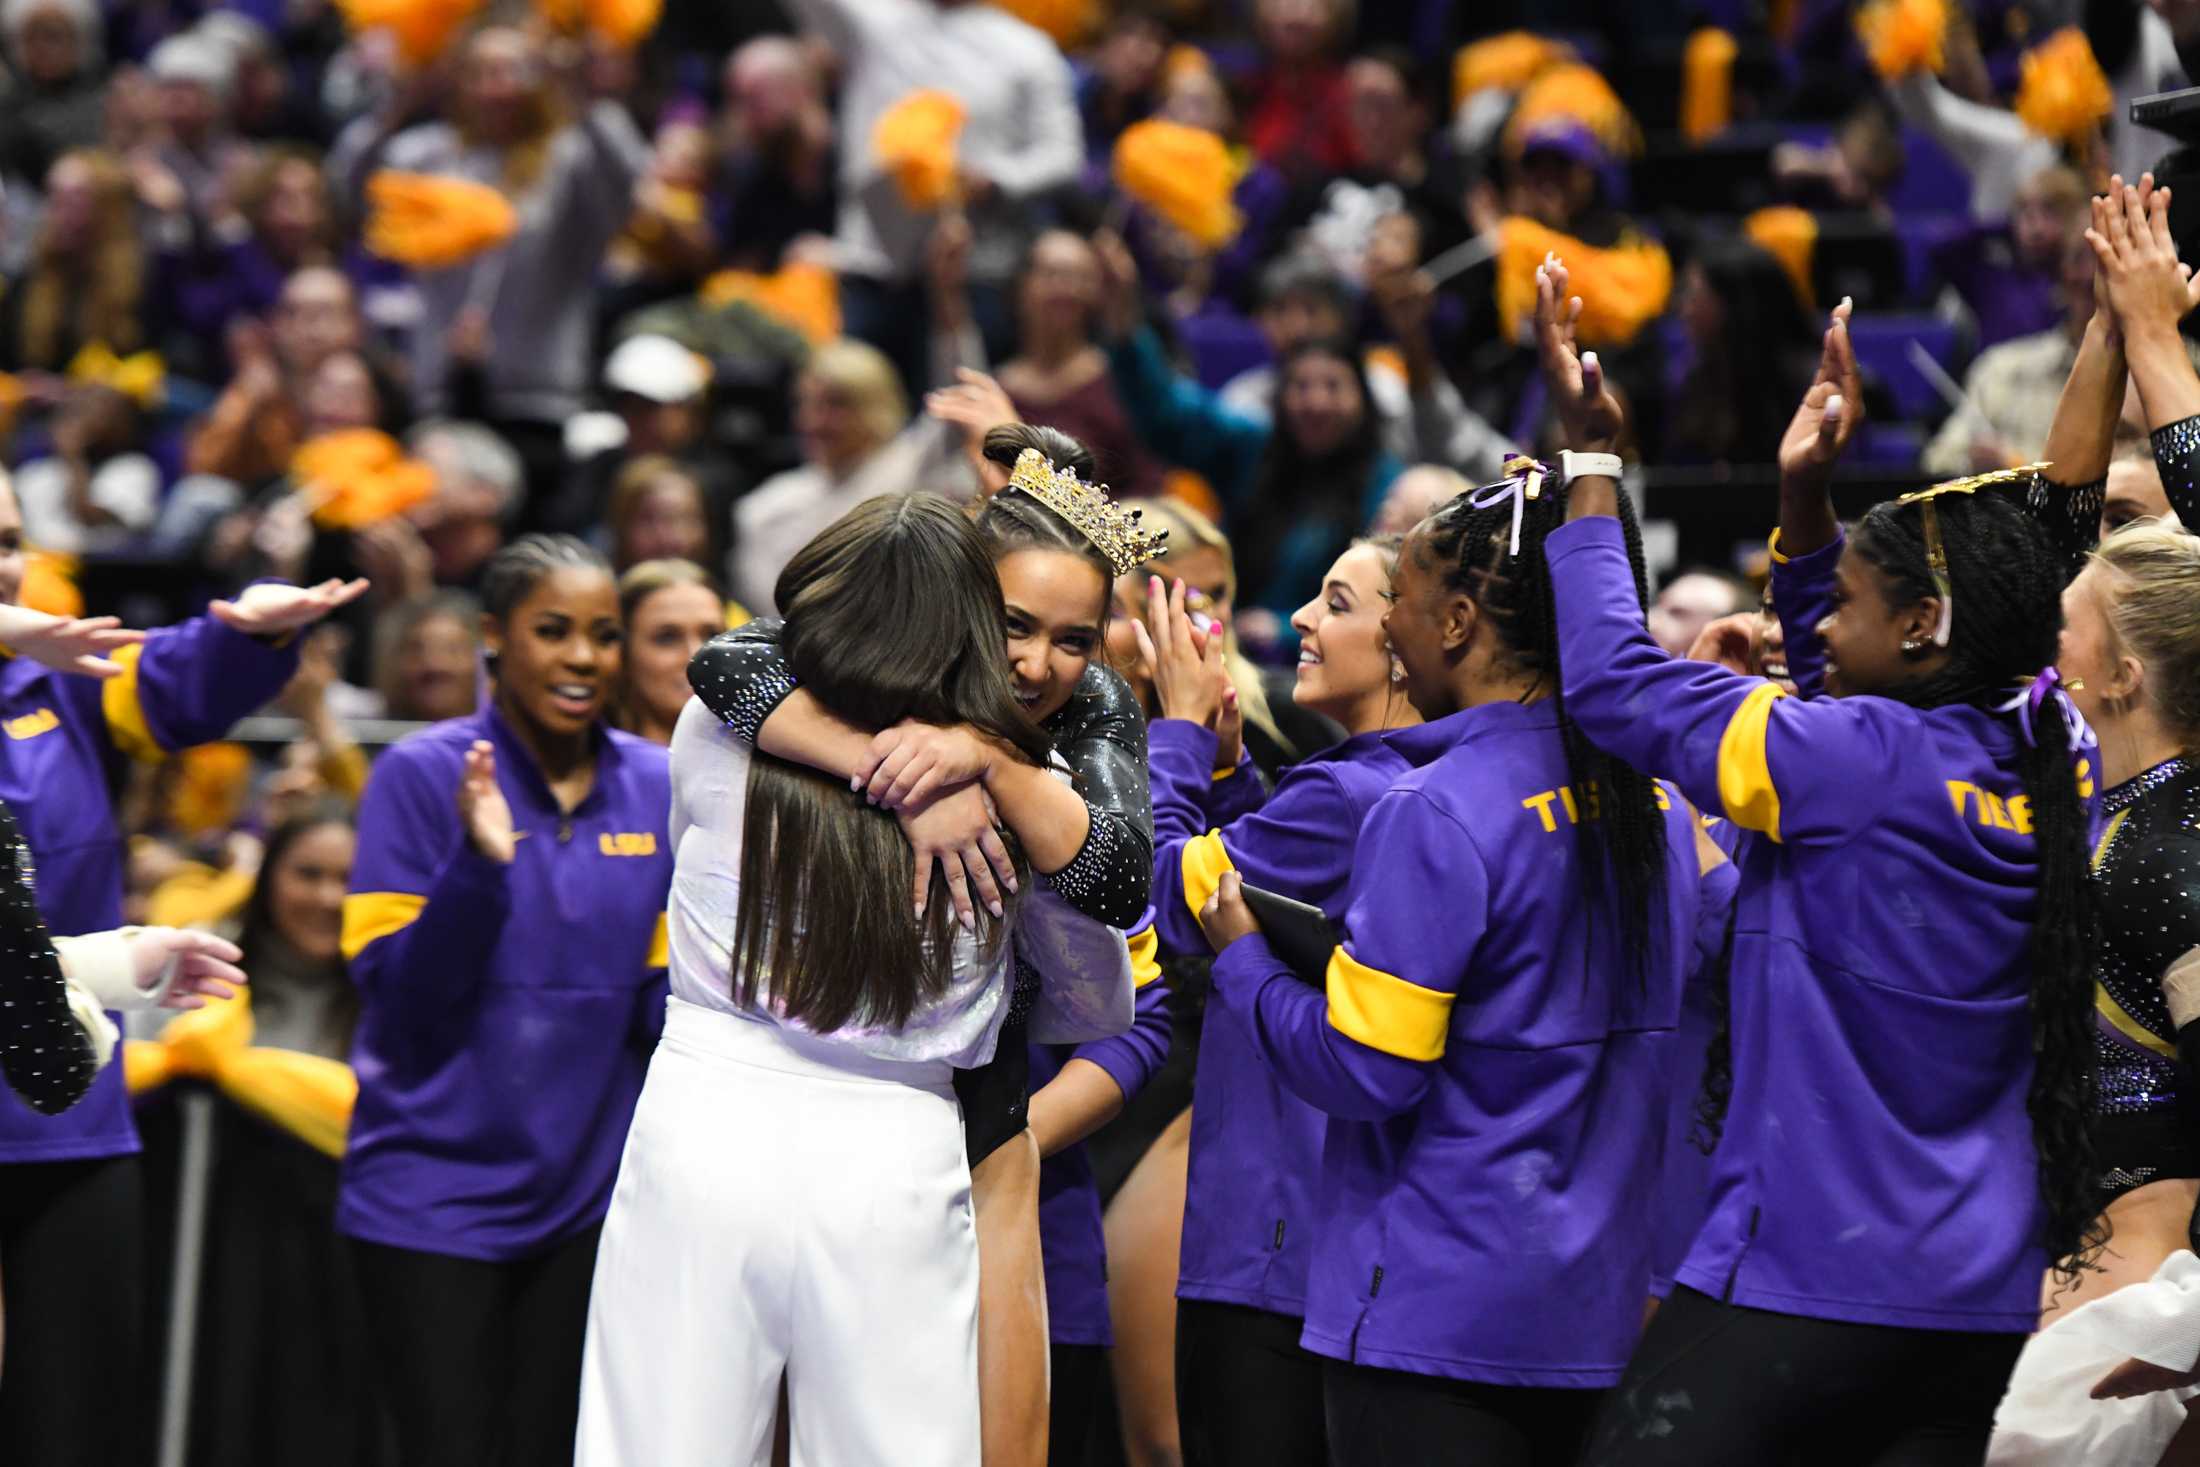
x,y
1299,934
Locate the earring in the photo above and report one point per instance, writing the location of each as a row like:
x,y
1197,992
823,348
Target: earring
x,y
1397,671
2074,684
1912,644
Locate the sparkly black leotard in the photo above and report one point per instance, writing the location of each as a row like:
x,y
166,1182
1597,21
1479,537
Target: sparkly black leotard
x,y
2147,866
44,1052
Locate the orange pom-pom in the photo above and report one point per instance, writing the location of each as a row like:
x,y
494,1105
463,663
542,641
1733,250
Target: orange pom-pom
x,y
1622,288
422,27
49,584
1707,83
801,294
1185,175
359,476
2062,93
1902,35
914,141
1509,61
431,222
1789,235
1579,94
1066,22
622,23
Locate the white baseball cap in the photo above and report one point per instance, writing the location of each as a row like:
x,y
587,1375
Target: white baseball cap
x,y
658,368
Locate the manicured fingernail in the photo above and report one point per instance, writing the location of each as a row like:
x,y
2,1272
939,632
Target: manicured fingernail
x,y
919,910
996,909
969,923
1013,888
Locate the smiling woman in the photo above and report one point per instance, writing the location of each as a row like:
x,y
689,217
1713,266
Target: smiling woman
x,y
506,919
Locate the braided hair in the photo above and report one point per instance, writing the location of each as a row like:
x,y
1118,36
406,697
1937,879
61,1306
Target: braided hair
x,y
1622,840
522,565
2007,582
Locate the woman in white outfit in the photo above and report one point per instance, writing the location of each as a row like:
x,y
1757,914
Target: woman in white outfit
x,y
794,1199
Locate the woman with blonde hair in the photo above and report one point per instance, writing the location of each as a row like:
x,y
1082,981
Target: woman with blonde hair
x,y
86,281
858,442
669,609
1277,732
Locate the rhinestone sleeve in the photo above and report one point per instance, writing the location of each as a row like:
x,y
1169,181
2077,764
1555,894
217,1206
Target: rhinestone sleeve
x,y
1109,879
2177,455
742,676
2071,515
44,1052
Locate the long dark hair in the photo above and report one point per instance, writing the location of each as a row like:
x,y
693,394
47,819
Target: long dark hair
x,y
1011,522
258,923
893,612
2007,583
1293,485
1623,843
1738,396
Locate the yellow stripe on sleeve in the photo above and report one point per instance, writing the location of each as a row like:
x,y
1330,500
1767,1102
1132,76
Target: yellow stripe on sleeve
x,y
660,944
125,712
1145,956
1204,862
1386,1013
1745,775
371,915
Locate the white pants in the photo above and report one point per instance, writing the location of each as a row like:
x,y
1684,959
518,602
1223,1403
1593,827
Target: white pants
x,y
784,1205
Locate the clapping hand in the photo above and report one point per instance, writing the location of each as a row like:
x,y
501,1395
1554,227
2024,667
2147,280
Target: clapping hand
x,y
482,808
1590,414
1831,408
1183,661
2145,284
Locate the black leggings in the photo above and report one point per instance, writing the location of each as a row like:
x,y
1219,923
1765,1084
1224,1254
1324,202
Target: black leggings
x,y
1382,1418
480,1362
1076,1374
72,1293
1717,1385
1247,1393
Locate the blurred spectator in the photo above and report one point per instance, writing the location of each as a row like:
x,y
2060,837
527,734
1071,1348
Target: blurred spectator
x,y
1123,84
657,514
1414,496
779,163
1059,376
96,491
427,664
669,610
478,484
1421,415
50,95
1854,171
258,422
1389,109
2010,276
668,244
301,998
85,283
2011,390
1753,350
1691,601
279,223
194,75
1020,138
858,442
1298,118
659,395
572,182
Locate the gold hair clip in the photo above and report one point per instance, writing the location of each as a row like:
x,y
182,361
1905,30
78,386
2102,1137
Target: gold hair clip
x,y
1936,553
1113,530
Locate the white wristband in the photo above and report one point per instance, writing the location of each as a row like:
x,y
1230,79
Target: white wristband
x,y
1572,466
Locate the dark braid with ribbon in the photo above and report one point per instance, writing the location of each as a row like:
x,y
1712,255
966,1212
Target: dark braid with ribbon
x,y
1488,545
1982,553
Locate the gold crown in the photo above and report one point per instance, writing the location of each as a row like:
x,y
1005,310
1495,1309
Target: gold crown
x,y
1113,530
1975,482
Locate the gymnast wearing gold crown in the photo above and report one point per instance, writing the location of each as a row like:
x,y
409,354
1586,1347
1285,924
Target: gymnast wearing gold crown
x,y
1057,542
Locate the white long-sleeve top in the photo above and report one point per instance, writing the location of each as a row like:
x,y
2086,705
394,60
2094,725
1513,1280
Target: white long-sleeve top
x,y
710,781
1021,130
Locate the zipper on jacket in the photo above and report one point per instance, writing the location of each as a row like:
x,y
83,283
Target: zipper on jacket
x,y
1755,1214
565,829
1277,1246
1375,1286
